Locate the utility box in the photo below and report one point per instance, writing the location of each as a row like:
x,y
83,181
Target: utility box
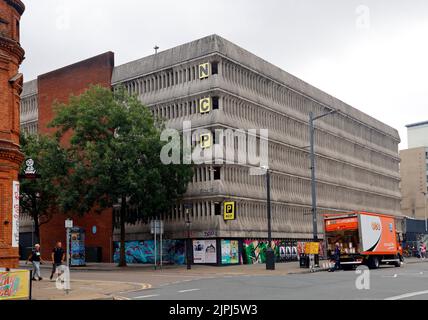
x,y
304,261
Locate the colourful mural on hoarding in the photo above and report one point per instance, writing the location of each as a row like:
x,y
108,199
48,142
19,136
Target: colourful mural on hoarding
x,y
229,252
144,252
285,250
15,285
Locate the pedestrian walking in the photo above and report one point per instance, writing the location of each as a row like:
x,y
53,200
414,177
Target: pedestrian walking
x,y
58,257
36,259
423,251
336,257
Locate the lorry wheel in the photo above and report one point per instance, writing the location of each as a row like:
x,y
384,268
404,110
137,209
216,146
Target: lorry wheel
x,y
398,263
374,263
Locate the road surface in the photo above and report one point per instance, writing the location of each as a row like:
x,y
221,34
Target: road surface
x,y
386,283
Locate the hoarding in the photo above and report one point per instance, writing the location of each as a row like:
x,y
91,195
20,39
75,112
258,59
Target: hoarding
x,y
204,251
229,252
15,285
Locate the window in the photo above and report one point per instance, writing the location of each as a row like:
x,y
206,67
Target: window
x,y
214,68
215,103
217,209
217,173
17,30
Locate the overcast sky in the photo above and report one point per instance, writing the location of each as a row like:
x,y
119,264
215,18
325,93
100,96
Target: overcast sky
x,y
371,54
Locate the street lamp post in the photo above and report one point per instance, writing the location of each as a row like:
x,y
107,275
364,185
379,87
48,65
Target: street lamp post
x,y
312,119
270,254
188,246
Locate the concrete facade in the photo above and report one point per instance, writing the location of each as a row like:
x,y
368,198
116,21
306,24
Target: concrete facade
x,y
357,155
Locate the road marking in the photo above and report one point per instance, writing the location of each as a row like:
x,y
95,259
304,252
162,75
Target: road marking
x,y
189,290
149,296
408,295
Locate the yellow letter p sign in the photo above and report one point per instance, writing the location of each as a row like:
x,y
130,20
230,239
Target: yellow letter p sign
x,y
229,211
205,140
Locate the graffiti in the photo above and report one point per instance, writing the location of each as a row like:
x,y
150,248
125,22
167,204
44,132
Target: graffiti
x,y
143,252
285,251
204,234
9,285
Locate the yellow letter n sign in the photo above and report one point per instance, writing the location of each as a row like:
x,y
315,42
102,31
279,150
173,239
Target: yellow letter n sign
x,y
204,70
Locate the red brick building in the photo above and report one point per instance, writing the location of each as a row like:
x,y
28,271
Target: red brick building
x,y
11,56
58,86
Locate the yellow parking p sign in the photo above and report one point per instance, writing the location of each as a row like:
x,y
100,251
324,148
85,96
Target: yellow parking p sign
x,y
205,140
229,211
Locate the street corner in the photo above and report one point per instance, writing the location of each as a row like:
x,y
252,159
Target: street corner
x,y
85,290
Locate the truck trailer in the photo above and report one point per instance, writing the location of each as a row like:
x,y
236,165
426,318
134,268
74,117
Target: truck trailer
x,y
364,238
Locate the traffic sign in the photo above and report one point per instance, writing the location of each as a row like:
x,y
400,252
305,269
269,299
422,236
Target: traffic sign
x,y
68,224
157,227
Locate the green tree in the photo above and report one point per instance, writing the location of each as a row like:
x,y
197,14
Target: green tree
x,y
114,152
40,197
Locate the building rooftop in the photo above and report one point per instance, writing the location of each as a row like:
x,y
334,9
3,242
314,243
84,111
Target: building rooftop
x,y
216,44
419,124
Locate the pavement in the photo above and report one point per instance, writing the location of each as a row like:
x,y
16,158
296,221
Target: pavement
x,y
107,281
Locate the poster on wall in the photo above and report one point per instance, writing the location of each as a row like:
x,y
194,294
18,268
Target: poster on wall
x,y
229,252
15,215
204,251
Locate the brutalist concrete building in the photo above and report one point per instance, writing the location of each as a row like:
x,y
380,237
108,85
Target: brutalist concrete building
x,y
357,156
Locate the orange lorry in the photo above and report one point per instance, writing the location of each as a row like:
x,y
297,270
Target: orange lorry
x,y
364,238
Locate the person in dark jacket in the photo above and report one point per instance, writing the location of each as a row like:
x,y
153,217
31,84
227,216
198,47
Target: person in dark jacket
x,y
58,257
336,257
36,259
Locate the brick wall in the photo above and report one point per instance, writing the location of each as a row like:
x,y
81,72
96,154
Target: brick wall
x,y
11,56
57,86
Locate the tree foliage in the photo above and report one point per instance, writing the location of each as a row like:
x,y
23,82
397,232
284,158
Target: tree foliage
x,y
40,197
114,152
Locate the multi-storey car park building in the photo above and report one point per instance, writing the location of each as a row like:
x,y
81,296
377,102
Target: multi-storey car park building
x,y
356,155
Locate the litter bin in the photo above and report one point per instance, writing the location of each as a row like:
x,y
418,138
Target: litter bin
x,y
304,261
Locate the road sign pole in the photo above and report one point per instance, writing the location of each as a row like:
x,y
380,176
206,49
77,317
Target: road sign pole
x,y
68,247
161,248
68,226
156,249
